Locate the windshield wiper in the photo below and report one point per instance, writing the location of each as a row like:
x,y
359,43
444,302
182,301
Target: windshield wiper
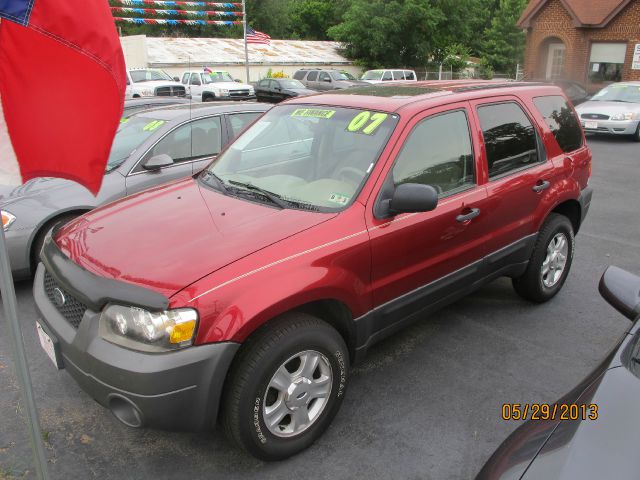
x,y
273,197
219,182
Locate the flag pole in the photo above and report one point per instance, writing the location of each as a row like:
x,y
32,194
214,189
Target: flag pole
x,y
244,28
9,302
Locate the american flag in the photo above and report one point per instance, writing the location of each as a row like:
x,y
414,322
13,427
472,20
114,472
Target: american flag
x,y
254,36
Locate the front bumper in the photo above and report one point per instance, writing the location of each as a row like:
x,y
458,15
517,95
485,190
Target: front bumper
x,y
177,390
18,241
236,97
612,127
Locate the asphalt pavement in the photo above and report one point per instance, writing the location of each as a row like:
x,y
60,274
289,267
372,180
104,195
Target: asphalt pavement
x,y
426,402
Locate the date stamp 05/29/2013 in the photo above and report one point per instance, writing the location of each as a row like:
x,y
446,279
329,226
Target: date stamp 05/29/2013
x,y
549,411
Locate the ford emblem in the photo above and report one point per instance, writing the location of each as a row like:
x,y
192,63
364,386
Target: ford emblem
x,y
58,297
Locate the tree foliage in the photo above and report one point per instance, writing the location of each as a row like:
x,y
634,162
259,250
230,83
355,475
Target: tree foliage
x,y
503,44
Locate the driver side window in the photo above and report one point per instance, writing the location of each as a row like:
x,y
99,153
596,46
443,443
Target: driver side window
x,y
438,152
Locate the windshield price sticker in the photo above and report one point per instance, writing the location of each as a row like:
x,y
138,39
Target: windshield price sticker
x,y
366,122
313,113
151,126
339,198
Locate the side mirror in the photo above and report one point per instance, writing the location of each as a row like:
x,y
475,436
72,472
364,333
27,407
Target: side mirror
x,y
413,197
176,79
157,162
237,80
622,290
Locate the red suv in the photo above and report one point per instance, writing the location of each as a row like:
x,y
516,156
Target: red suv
x,y
245,292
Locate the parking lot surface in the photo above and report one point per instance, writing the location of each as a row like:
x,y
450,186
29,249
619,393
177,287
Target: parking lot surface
x,y
426,403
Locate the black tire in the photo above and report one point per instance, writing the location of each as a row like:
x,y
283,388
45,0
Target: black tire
x,y
531,285
42,234
208,98
247,390
636,136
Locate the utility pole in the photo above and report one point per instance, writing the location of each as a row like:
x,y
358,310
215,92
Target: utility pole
x,y
244,28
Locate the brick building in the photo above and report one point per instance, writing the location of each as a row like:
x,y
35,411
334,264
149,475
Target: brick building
x,y
593,42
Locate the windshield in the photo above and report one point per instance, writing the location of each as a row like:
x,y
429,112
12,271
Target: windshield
x,y
342,76
132,132
291,84
313,157
618,93
219,77
148,76
372,75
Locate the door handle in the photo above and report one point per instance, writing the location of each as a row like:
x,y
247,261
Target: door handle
x,y
468,216
541,185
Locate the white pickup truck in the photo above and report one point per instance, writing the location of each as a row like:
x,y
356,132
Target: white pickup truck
x,y
144,82
208,86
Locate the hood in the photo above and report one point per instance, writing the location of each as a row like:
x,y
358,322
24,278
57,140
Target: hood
x,y
601,448
300,91
32,188
157,83
230,85
168,237
607,108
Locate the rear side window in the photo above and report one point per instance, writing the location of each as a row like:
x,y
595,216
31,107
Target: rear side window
x,y
409,75
239,121
312,76
387,76
561,120
509,138
438,152
185,78
299,75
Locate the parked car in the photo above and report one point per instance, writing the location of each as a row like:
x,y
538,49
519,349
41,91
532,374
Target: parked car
x,y
614,110
333,221
150,148
397,75
136,105
209,86
597,438
145,82
326,79
277,89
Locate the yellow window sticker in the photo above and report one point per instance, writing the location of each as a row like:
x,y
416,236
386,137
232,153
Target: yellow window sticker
x,y
124,119
366,122
151,126
313,113
339,198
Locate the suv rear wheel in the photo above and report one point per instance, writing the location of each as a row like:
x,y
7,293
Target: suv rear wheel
x,y
550,262
286,386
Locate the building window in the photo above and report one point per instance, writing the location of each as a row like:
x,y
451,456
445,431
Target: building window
x,y
606,62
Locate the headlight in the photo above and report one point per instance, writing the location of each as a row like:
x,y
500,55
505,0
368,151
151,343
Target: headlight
x,y
7,220
224,92
139,329
147,92
623,116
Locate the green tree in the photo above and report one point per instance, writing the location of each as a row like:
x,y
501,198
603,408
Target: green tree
x,y
310,19
396,33
504,42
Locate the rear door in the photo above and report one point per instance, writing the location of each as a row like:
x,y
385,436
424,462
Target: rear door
x,y
415,255
517,172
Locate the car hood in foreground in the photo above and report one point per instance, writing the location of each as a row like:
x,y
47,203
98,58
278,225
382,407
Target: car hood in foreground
x,y
170,236
607,108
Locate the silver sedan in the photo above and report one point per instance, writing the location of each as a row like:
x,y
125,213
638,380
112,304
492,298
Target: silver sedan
x,y
614,110
150,148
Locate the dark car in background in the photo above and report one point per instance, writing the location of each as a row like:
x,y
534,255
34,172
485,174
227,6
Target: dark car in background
x,y
150,148
598,439
275,90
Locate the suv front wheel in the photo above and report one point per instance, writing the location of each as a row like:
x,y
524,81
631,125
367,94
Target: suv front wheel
x,y
550,261
286,386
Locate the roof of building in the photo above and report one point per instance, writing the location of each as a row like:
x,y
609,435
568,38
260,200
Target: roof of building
x,y
230,51
585,13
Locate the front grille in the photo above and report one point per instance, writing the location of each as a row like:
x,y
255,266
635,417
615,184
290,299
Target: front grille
x,y
239,93
594,116
71,309
172,91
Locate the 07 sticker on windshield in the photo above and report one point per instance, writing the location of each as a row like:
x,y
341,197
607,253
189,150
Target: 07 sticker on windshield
x,y
313,113
366,122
